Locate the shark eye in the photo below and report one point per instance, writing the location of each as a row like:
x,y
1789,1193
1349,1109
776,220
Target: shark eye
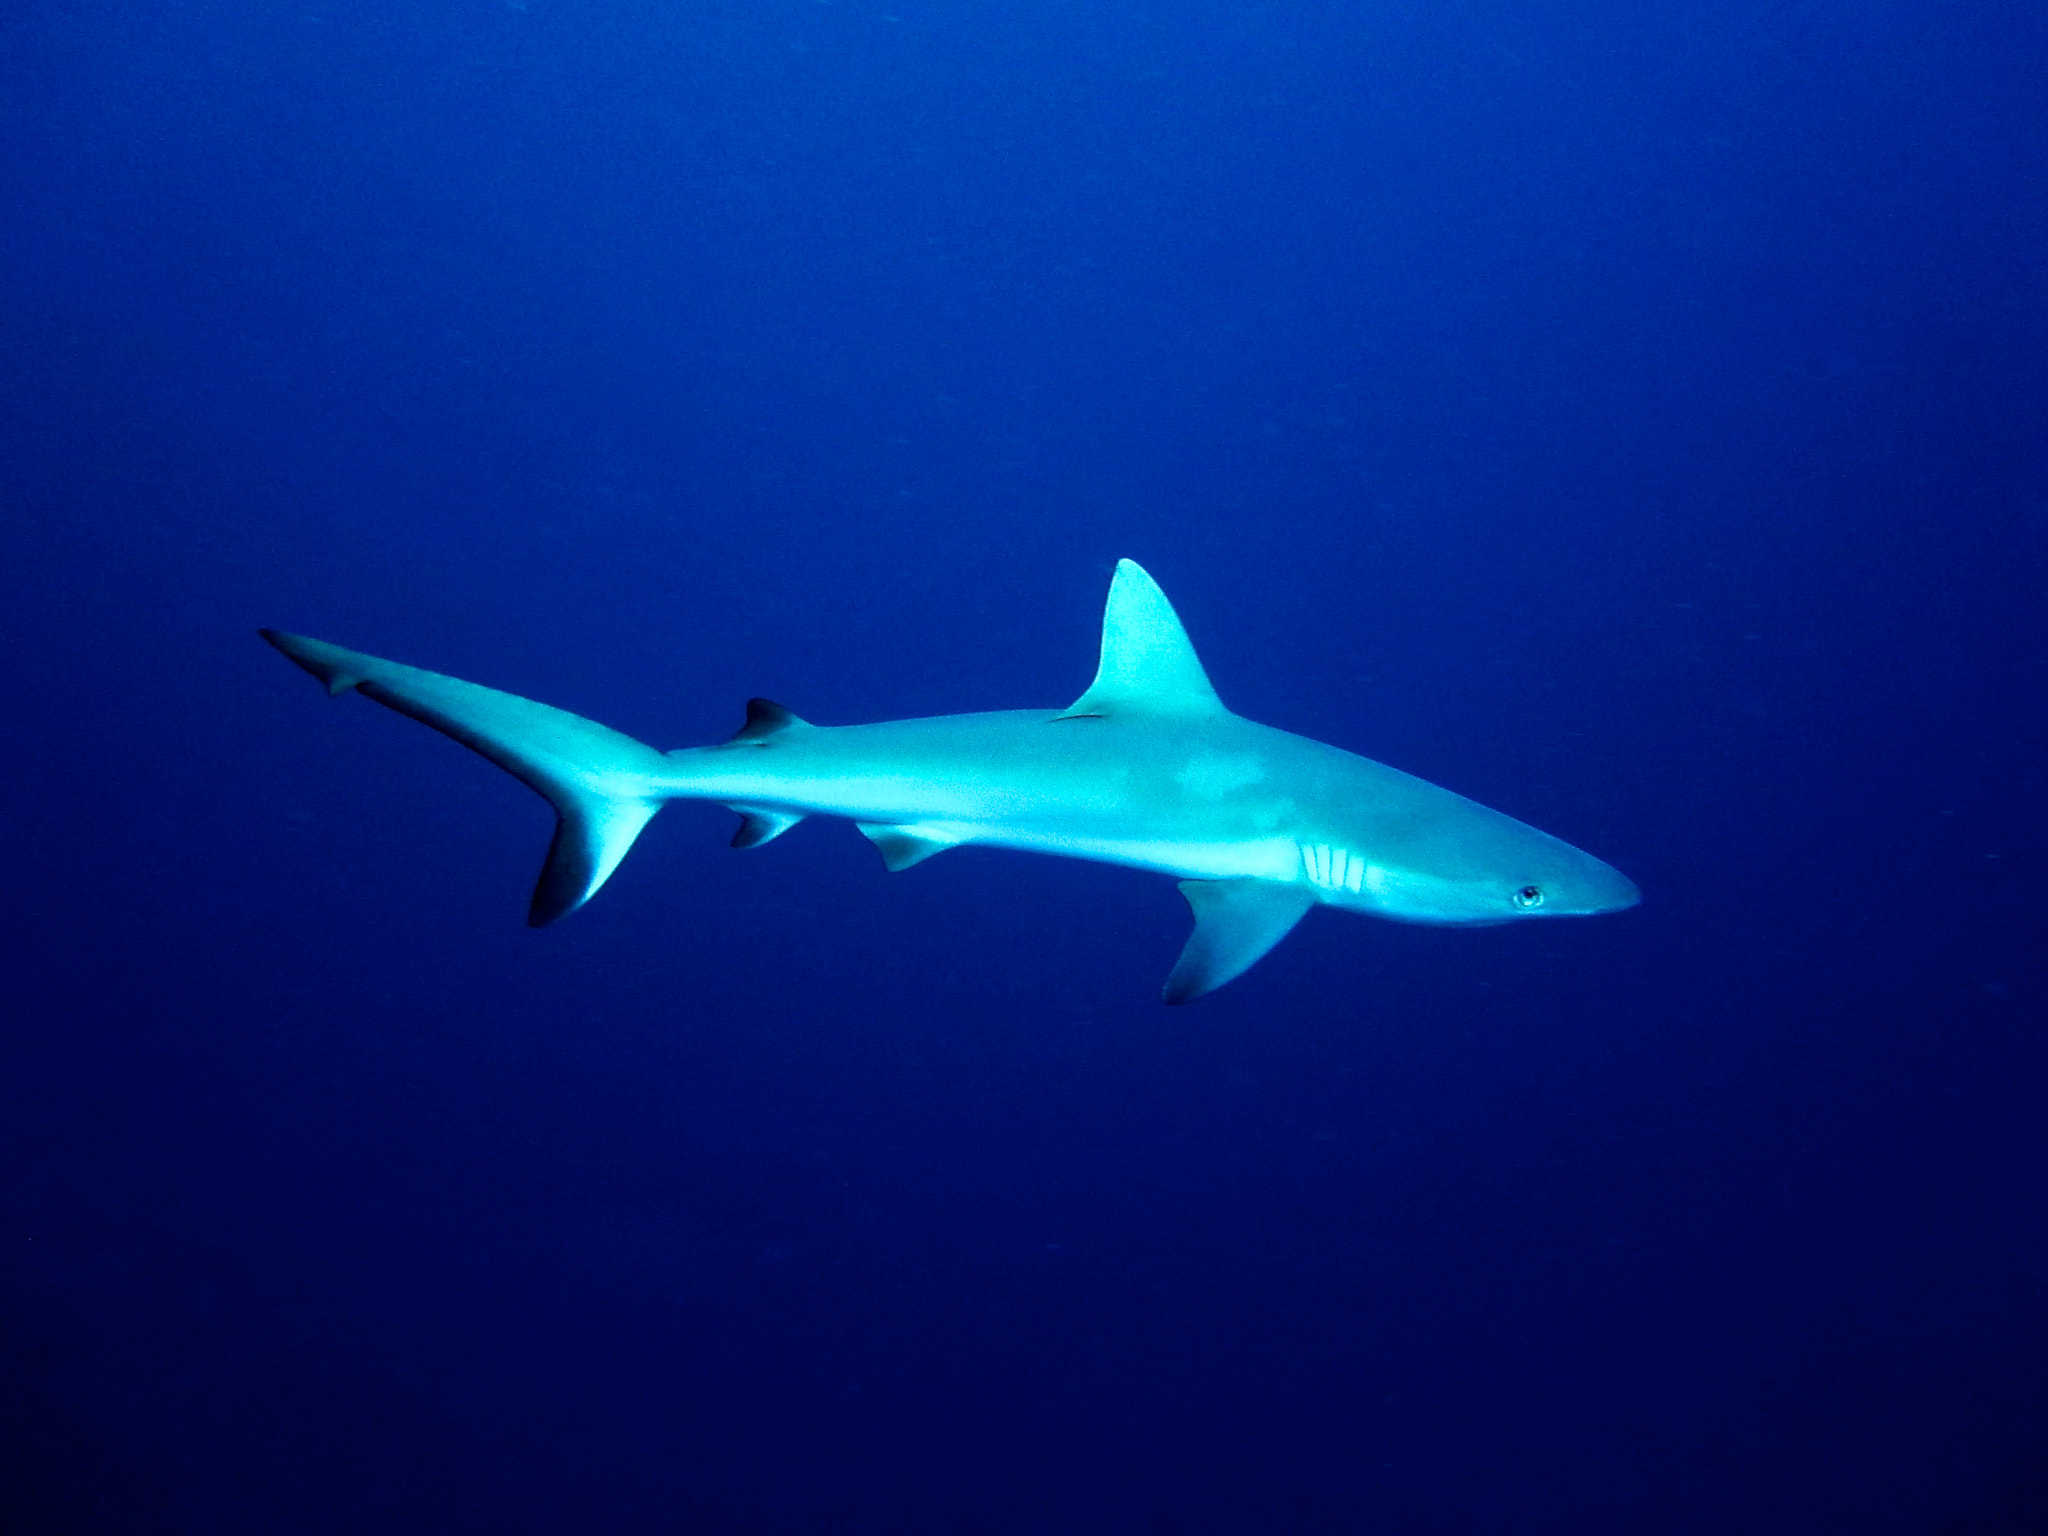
x,y
1529,896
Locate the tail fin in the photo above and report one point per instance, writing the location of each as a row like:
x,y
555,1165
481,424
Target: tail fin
x,y
604,786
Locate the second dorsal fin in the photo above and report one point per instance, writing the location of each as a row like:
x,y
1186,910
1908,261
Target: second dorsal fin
x,y
1148,665
766,718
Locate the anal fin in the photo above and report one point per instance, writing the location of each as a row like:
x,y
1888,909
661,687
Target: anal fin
x,y
762,824
1236,922
903,846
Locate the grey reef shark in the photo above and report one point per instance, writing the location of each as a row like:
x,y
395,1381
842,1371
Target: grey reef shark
x,y
1147,768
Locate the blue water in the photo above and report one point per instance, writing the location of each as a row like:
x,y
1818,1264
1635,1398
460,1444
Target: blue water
x,y
1632,415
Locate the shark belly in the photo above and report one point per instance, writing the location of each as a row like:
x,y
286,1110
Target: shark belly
x,y
1185,856
1020,779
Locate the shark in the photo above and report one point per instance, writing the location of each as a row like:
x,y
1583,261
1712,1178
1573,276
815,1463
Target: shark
x,y
1147,768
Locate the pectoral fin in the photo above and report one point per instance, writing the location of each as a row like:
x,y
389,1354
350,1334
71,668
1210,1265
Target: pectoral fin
x,y
1236,921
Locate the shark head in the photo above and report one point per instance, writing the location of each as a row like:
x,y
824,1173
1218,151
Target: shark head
x,y
1536,876
1474,869
1556,881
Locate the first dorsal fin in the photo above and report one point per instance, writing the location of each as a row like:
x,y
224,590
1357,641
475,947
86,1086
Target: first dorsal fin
x,y
1148,665
766,718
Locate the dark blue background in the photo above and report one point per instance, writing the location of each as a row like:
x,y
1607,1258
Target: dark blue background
x,y
1633,415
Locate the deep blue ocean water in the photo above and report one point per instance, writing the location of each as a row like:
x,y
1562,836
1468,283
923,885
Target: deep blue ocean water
x,y
1634,416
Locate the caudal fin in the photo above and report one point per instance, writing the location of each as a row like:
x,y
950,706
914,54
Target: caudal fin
x,y
604,785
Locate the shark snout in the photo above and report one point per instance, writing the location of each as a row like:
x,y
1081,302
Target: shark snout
x,y
1602,888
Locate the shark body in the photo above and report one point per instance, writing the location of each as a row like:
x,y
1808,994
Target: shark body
x,y
1147,768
